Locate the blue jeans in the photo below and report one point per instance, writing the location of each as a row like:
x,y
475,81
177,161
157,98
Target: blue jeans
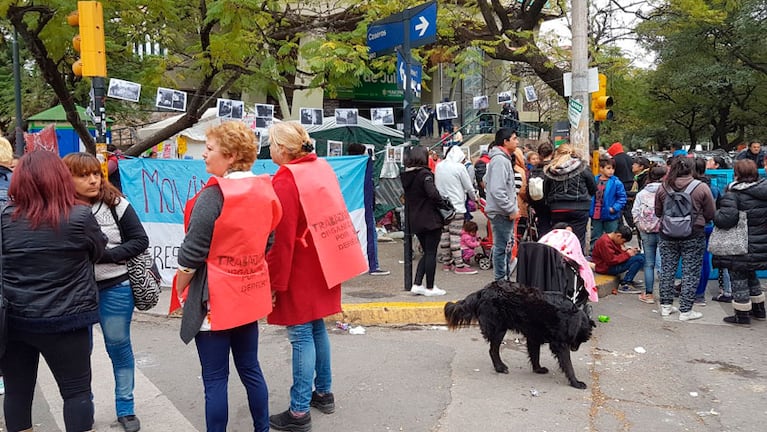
x,y
311,361
115,314
599,227
503,237
213,349
706,269
630,266
650,245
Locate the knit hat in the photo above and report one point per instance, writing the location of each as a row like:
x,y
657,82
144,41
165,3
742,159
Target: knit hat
x,y
614,149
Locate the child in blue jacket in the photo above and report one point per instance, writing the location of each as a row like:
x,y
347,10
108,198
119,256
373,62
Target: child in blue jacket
x,y
608,202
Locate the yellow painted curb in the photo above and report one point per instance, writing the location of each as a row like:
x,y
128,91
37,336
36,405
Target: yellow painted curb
x,y
391,313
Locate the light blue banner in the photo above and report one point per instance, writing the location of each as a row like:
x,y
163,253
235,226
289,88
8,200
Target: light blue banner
x,y
160,188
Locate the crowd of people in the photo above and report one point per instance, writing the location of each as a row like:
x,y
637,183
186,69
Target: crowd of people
x,y
66,233
671,209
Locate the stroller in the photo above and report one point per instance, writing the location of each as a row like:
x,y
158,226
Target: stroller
x,y
485,258
543,267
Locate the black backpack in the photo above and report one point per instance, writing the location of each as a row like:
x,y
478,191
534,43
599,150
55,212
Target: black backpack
x,y
678,212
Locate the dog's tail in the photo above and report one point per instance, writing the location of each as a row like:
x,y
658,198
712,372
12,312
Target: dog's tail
x,y
463,312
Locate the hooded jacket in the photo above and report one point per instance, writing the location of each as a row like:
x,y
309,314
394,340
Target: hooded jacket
x,y
569,186
613,198
623,163
644,207
452,179
751,198
422,199
702,201
499,184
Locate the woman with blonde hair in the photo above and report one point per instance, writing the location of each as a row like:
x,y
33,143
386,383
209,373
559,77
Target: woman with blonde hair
x,y
222,273
315,223
568,187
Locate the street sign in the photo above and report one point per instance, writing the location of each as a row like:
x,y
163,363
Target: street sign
x,y
386,34
415,75
574,112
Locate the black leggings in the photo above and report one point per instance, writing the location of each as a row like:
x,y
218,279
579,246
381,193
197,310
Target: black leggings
x,y
68,355
427,265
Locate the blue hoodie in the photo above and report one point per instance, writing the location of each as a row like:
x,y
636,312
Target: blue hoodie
x,y
614,197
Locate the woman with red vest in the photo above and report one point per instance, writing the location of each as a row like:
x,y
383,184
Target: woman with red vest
x,y
315,223
222,273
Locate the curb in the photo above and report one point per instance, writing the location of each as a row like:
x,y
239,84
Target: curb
x,y
423,313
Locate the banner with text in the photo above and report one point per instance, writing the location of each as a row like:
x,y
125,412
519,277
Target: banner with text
x,y
159,189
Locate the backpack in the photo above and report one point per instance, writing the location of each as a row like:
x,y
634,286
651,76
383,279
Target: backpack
x,y
535,188
646,220
678,218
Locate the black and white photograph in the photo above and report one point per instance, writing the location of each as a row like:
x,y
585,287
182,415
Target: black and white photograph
x,y
371,150
480,102
530,95
382,116
447,110
125,90
238,109
346,116
391,154
399,153
264,122
224,108
420,118
311,116
264,110
171,99
335,148
504,97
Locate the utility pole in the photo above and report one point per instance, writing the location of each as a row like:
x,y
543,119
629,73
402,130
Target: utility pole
x,y
579,134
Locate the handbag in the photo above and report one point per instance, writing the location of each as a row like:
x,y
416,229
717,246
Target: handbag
x,y
3,300
446,211
732,241
143,275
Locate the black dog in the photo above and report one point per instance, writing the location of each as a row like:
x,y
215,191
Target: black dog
x,y
542,317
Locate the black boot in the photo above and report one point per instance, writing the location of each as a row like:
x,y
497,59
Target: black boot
x,y
758,312
740,317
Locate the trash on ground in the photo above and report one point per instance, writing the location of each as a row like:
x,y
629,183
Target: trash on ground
x,y
640,350
342,326
707,413
694,394
359,330
533,392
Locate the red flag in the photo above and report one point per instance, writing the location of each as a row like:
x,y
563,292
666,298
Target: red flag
x,y
43,140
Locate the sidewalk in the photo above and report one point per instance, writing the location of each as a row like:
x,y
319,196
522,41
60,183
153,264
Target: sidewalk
x,y
382,300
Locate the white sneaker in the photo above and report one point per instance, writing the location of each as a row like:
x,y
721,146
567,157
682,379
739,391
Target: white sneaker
x,y
666,310
418,289
434,292
691,315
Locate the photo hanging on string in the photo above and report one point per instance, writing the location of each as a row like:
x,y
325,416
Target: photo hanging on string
x,y
504,97
420,118
480,102
447,110
382,116
170,99
335,148
125,90
346,116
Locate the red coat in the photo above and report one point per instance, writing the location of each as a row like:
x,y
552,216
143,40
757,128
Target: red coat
x,y
294,266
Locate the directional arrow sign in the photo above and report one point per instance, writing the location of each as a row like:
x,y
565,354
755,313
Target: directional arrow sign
x,y
386,34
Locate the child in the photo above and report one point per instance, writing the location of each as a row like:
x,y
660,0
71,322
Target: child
x,y
469,241
607,204
610,258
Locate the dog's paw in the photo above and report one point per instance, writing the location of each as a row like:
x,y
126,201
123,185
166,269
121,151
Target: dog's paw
x,y
541,370
502,369
578,384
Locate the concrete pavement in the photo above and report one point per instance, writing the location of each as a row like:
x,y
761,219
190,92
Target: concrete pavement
x,y
382,300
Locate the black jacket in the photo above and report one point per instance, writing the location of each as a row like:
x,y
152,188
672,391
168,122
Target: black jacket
x,y
751,198
569,187
422,199
48,273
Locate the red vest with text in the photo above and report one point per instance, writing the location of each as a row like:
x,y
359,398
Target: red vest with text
x,y
328,221
238,276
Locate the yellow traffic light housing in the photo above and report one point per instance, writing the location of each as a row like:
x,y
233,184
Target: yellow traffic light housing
x,y
600,102
89,17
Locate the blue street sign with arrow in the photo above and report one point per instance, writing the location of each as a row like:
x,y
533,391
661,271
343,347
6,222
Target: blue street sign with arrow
x,y
415,75
386,34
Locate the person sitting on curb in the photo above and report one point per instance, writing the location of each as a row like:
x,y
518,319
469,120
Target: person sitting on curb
x,y
611,258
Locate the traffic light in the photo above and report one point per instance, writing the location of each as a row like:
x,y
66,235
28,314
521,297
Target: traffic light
x,y
600,102
89,17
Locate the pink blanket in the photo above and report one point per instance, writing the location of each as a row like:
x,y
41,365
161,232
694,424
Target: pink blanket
x,y
568,245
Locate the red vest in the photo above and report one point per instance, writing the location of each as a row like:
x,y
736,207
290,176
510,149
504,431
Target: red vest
x,y
328,222
238,276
